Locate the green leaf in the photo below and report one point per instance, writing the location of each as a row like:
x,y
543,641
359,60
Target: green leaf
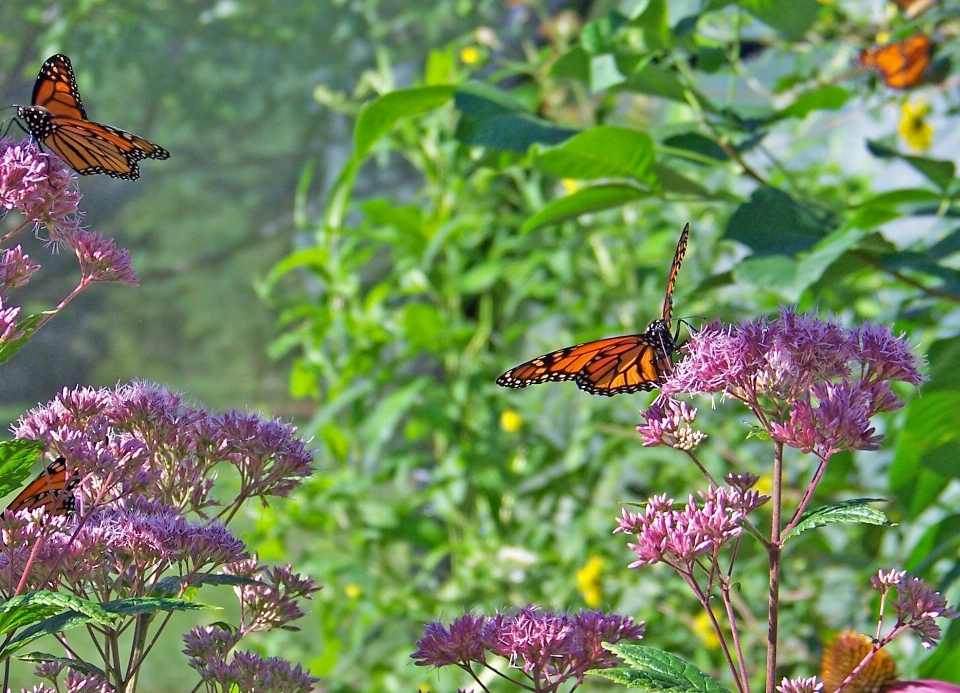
x,y
777,273
606,151
574,64
423,323
773,223
652,20
792,19
380,116
812,266
604,73
938,542
138,606
75,664
34,607
699,144
657,80
855,510
169,586
943,360
940,172
830,98
27,326
657,671
927,450
585,200
16,461
597,36
54,624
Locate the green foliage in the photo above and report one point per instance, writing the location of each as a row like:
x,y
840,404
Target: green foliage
x,y
656,671
541,209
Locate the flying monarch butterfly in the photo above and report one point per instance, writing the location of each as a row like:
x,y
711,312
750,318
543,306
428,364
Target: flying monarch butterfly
x,y
52,489
902,64
58,119
615,365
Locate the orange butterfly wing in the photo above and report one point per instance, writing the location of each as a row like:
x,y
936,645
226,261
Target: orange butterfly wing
x,y
615,365
51,490
903,64
58,119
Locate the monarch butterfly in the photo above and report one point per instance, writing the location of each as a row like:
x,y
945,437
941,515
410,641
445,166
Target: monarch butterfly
x,y
903,64
58,119
615,365
51,490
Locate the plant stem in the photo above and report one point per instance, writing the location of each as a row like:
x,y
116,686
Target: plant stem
x,y
774,554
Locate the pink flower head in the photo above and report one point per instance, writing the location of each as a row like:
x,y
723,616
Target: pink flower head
x,y
917,606
100,258
460,644
8,322
923,686
800,685
678,536
667,422
272,604
39,186
15,269
817,383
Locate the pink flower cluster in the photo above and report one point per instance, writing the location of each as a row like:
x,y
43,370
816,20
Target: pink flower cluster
x,y
917,606
679,536
814,384
549,648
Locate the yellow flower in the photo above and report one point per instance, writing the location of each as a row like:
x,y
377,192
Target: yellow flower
x,y
914,127
570,185
842,655
588,581
469,55
510,421
352,591
882,38
703,629
764,484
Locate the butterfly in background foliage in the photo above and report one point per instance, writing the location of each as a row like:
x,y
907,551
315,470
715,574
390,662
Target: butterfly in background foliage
x,y
58,119
52,489
615,365
903,64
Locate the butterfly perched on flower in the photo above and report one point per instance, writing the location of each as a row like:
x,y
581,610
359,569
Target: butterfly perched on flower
x,y
52,489
615,365
902,64
58,119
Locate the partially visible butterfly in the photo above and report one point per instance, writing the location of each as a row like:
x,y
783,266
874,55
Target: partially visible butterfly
x,y
903,64
615,365
58,119
52,489
912,8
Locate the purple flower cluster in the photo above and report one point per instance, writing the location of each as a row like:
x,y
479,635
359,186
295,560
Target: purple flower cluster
x,y
39,186
667,422
678,536
209,648
272,603
917,606
549,648
813,384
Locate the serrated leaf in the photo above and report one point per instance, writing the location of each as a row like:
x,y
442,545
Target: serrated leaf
x,y
16,460
657,671
54,624
855,510
27,326
33,607
171,585
75,664
138,606
592,199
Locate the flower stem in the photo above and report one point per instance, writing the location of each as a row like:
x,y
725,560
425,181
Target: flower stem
x,y
774,554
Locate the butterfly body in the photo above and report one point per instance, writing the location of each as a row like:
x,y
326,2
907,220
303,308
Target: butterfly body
x,y
614,365
903,64
52,489
58,119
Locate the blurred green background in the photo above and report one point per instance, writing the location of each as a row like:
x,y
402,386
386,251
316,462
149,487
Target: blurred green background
x,y
373,290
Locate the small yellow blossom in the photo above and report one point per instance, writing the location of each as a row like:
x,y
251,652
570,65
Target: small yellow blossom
x,y
703,629
352,591
510,421
588,582
882,38
470,55
570,185
825,2
764,484
914,127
